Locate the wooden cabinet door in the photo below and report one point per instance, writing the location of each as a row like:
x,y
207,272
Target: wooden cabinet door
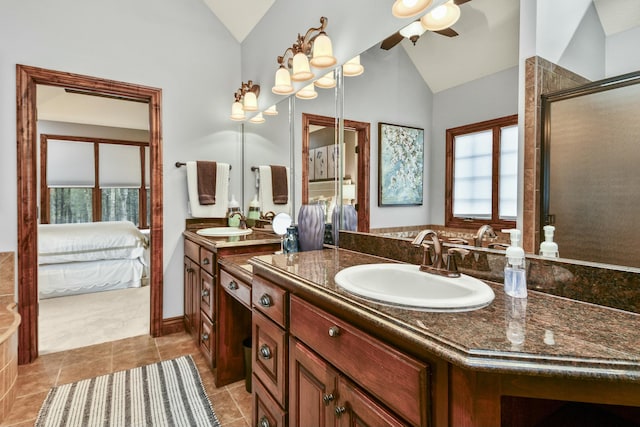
x,y
191,297
355,408
312,388
206,294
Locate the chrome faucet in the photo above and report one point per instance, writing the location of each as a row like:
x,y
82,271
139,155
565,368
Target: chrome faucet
x,y
482,231
435,264
243,220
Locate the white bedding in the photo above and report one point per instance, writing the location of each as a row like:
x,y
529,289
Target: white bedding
x,y
92,241
55,280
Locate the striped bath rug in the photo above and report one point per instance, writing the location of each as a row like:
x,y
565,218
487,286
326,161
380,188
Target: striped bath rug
x,y
168,393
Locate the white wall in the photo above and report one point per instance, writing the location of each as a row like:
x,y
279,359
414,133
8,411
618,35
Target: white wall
x,y
621,52
180,47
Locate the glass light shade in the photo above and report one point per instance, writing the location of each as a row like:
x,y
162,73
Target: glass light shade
x,y
348,191
271,111
301,70
409,8
441,17
326,82
413,29
352,67
250,102
237,112
258,118
307,92
283,82
322,52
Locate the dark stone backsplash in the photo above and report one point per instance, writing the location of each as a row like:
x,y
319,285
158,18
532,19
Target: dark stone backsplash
x,y
603,286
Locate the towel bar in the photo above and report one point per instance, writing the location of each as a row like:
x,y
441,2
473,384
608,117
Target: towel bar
x,y
180,164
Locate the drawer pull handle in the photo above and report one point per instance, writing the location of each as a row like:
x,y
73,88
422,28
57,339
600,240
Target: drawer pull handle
x,y
328,398
233,285
264,422
204,293
190,270
205,337
265,352
265,301
334,331
340,410
206,261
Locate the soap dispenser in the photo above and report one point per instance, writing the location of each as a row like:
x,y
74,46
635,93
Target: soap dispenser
x,y
549,248
515,278
254,208
234,207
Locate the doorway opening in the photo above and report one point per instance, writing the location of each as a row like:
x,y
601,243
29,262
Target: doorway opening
x,y
28,190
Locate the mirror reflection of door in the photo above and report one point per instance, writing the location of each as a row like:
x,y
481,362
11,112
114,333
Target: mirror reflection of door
x,y
94,171
321,169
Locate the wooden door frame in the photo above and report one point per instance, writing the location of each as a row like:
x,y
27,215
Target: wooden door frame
x,y
364,160
27,78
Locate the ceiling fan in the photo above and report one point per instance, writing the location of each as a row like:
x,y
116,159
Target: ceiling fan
x,y
418,27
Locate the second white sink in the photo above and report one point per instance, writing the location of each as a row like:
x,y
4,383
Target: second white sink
x,y
406,285
224,231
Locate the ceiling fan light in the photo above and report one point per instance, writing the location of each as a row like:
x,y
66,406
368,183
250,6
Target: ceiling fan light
x,y
258,118
237,112
409,8
323,52
441,17
326,82
415,29
271,111
283,82
307,92
352,67
250,102
301,69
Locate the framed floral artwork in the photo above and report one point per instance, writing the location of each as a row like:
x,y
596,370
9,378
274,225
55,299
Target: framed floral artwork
x,y
400,165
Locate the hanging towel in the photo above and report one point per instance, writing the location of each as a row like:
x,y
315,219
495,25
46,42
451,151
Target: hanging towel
x,y
206,182
266,194
219,210
279,185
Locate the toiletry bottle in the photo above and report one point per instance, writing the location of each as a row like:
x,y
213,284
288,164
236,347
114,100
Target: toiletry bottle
x,y
515,278
549,248
234,207
254,208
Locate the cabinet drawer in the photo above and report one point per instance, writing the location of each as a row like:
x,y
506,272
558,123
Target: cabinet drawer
x,y
192,250
207,300
236,287
269,356
207,338
265,411
398,380
270,299
206,261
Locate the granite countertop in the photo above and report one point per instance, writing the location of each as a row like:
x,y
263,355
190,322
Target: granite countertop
x,y
540,335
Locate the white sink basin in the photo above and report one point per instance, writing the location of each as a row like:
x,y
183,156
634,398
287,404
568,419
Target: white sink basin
x,y
224,231
406,285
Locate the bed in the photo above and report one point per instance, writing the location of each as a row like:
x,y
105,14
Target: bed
x,y
90,257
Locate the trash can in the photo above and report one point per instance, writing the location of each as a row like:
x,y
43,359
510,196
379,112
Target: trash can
x,y
246,346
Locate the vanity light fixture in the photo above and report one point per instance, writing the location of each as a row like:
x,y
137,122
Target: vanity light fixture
x,y
441,17
307,92
326,82
409,8
413,31
352,67
315,44
271,111
258,118
246,99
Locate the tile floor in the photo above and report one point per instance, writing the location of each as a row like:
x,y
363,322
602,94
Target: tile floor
x,y
232,404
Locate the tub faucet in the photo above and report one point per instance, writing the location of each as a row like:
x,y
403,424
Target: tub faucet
x,y
435,264
243,220
482,231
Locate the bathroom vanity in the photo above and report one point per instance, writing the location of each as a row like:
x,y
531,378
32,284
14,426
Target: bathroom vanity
x,y
322,356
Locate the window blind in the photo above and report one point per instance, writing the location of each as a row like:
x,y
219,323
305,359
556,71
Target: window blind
x,y
62,154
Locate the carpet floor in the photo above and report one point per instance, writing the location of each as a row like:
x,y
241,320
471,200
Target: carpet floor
x,y
76,321
168,393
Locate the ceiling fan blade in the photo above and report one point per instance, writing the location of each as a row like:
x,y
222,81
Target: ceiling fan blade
x,y
391,41
449,32
459,2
